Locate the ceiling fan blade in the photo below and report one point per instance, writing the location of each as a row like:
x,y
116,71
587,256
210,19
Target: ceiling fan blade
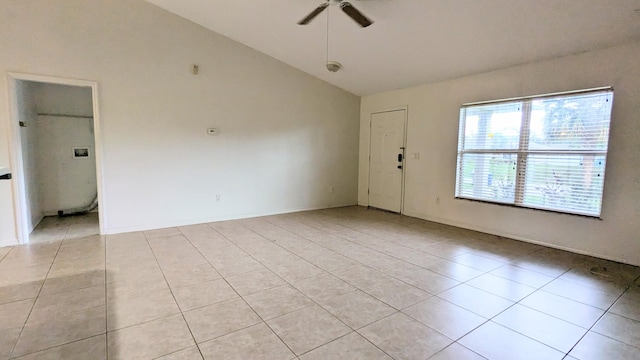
x,y
313,14
355,14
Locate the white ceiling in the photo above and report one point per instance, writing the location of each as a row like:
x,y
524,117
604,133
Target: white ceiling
x,y
416,41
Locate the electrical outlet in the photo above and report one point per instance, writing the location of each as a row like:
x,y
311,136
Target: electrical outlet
x,y
438,200
217,197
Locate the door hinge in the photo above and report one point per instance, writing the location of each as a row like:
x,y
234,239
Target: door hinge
x,y
368,191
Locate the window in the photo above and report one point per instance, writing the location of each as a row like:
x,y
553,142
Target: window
x,y
544,152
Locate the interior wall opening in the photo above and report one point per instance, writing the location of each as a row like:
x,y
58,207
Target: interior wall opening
x,y
58,156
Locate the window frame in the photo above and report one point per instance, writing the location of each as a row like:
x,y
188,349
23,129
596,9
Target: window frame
x,y
523,151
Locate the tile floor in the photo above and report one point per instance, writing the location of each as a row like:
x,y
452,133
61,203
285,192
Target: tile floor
x,y
346,283
55,228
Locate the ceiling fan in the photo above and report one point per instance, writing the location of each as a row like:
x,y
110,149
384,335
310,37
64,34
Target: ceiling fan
x,y
348,9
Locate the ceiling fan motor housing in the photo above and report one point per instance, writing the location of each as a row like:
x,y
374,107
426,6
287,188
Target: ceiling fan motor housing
x,y
333,66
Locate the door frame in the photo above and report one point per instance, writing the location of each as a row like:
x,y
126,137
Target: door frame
x,y
404,144
15,148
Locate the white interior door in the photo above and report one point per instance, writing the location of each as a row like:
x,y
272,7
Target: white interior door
x,y
386,160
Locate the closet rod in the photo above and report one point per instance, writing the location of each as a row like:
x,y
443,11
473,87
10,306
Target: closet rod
x,y
67,115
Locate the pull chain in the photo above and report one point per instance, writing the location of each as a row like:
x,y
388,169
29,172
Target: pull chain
x,y
328,12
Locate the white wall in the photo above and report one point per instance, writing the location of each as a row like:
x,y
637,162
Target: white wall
x,y
432,131
65,183
63,99
286,137
27,113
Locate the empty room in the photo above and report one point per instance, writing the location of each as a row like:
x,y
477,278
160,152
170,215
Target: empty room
x,y
311,179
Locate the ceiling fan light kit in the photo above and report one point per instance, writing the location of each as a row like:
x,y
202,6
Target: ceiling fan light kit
x,y
333,66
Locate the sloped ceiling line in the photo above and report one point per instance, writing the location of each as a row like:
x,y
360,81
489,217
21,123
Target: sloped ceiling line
x,y
415,42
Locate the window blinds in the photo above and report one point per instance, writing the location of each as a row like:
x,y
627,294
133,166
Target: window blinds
x,y
547,152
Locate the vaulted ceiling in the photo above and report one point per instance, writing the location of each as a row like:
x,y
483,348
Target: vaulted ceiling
x,y
416,41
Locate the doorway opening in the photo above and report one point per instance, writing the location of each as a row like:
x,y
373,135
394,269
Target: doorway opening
x,y
386,160
55,143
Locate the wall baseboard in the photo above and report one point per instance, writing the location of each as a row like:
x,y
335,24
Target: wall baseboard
x,y
125,229
10,242
35,223
517,237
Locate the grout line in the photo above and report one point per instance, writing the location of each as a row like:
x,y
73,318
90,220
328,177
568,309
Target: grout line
x,y
490,319
471,250
457,343
357,333
540,289
269,241
172,294
509,307
281,278
370,267
291,284
106,303
8,252
345,238
142,322
13,348
240,296
177,351
66,232
289,221
355,260
305,260
603,315
316,224
59,345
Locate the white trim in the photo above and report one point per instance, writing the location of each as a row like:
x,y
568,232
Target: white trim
x,y
603,88
36,223
125,229
524,152
369,161
15,149
15,157
390,109
404,157
534,152
404,152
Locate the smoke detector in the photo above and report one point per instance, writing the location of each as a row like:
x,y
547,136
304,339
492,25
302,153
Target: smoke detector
x,y
333,66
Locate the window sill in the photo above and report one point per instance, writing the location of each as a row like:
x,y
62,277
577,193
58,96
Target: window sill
x,y
594,217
